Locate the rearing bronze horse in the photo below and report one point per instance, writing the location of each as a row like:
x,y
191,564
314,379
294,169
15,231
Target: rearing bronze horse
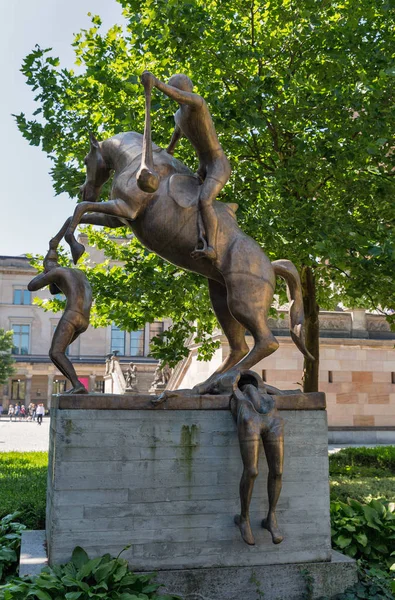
x,y
241,280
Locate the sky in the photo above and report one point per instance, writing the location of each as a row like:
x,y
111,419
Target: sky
x,y
31,213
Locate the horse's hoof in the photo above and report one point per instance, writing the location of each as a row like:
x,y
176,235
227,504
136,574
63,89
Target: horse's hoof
x,y
77,250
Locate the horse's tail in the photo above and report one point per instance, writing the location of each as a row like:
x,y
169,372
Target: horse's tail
x,y
287,270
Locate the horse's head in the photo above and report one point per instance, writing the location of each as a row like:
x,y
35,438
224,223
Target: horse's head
x,y
97,172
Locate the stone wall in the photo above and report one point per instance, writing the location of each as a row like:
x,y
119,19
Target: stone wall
x,y
166,482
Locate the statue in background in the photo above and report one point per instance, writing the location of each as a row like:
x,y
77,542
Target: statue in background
x,y
74,284
161,378
131,377
257,419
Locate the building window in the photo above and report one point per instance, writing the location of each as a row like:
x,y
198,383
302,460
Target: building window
x,y
59,386
155,328
21,339
117,340
22,296
99,387
18,389
137,343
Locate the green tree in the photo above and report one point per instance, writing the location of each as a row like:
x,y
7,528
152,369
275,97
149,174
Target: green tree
x,y
6,359
302,97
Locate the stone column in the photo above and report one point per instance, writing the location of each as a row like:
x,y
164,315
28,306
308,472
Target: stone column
x,y
28,390
49,391
359,326
92,382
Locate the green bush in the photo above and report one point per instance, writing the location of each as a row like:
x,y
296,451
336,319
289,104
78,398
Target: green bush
x,y
363,489
363,462
365,531
85,579
10,542
23,482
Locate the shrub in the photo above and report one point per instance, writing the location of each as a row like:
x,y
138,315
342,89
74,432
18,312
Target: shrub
x,y
10,541
365,530
373,584
363,489
85,579
368,462
23,482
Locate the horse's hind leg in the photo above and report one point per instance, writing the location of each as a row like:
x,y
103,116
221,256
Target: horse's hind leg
x,y
249,300
234,332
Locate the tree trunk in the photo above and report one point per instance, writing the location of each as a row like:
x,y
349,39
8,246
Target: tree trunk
x,y
312,330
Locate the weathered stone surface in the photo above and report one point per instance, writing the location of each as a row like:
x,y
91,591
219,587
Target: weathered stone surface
x,y
166,482
271,582
292,401
33,555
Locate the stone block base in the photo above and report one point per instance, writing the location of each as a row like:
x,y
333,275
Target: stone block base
x,y
166,482
271,582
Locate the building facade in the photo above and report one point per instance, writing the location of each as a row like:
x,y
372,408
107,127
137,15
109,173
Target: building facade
x,y
357,367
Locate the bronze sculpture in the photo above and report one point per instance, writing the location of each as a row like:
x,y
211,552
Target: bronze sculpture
x,y
257,419
193,120
74,284
167,222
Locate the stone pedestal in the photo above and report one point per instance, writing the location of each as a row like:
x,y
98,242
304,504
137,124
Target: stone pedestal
x,y
165,480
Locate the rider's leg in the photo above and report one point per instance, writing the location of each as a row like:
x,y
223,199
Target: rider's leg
x,y
249,439
113,208
64,335
234,332
273,443
210,190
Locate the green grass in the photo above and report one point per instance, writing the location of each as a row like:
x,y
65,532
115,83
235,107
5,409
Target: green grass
x,y
23,482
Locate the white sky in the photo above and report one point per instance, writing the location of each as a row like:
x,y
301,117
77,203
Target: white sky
x,y
31,213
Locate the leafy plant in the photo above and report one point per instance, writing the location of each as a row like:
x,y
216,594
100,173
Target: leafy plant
x,y
86,579
6,358
10,541
373,584
365,530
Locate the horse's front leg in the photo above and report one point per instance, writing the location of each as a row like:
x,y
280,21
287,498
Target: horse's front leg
x,y
112,208
88,219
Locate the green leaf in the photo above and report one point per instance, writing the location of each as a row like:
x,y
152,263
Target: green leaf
x,y
79,557
343,541
361,539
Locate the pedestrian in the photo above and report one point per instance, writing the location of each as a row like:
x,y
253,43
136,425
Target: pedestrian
x,y
1,410
22,412
40,412
11,411
34,412
16,411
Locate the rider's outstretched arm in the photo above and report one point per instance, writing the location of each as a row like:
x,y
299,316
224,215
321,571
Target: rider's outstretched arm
x,y
179,95
175,138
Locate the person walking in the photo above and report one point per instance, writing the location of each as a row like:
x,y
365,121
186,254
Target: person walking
x,y
40,412
34,412
11,411
16,411
1,410
22,413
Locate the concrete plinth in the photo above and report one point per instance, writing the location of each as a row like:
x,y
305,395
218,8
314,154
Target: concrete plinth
x,y
166,481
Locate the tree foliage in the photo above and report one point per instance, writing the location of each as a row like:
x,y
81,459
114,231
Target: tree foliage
x,y
302,99
6,359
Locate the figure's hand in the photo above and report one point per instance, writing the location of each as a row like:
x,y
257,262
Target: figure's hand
x,y
148,80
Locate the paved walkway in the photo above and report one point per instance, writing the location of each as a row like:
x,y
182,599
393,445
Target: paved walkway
x,y
23,436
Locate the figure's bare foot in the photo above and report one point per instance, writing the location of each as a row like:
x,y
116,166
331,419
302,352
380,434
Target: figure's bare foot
x,y
271,525
207,252
245,530
78,389
218,383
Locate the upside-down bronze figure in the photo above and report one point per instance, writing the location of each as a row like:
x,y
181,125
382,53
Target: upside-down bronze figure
x,y
74,284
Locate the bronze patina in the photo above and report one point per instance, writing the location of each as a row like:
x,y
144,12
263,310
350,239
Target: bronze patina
x,y
257,418
241,278
74,284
